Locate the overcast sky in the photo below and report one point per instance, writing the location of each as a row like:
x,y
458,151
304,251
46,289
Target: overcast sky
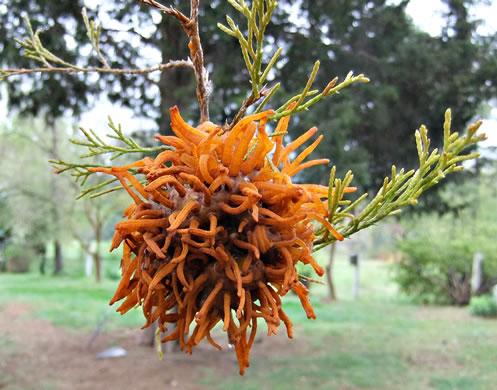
x,y
427,13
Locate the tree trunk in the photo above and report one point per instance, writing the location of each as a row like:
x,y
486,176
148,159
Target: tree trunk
x,y
58,260
96,218
329,273
175,85
43,263
98,266
96,254
462,27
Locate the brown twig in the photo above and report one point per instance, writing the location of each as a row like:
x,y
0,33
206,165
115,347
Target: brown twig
x,y
169,65
190,25
245,106
310,280
183,19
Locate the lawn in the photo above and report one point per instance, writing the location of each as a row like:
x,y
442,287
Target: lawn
x,y
380,341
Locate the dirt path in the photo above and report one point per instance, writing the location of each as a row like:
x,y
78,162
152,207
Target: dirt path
x,y
35,354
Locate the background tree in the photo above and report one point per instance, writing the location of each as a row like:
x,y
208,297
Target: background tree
x,y
5,232
38,209
50,94
26,196
414,77
89,222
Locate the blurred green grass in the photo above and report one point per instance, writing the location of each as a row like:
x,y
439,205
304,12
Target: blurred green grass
x,y
380,341
65,300
71,299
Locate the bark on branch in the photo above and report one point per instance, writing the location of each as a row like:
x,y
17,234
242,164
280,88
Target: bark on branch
x,y
169,65
190,25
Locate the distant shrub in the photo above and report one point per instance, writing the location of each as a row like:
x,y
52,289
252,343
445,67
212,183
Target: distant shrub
x,y
483,306
18,258
438,250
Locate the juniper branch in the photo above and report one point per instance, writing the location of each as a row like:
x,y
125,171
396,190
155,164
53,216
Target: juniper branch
x,y
402,188
258,17
190,25
330,89
252,46
93,33
96,146
51,63
4,73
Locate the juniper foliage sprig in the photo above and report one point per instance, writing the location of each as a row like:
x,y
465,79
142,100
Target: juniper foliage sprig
x,y
252,45
402,188
34,49
93,34
331,89
96,146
